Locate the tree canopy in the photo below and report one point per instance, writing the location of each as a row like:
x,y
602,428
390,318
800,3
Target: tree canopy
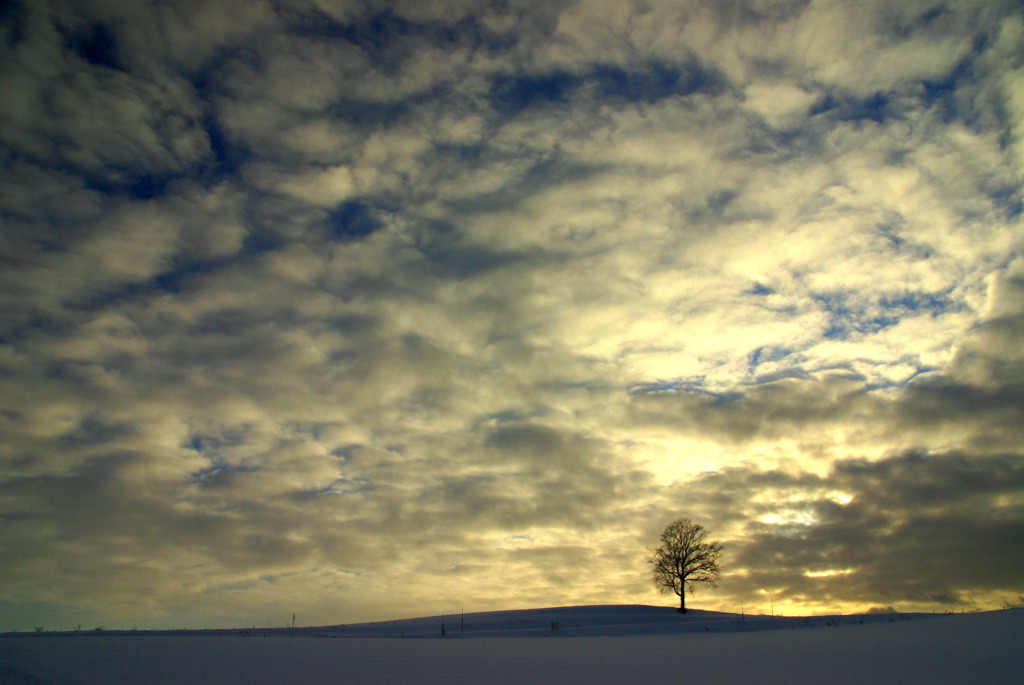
x,y
684,559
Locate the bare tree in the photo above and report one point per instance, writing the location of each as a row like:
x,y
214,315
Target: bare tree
x,y
684,559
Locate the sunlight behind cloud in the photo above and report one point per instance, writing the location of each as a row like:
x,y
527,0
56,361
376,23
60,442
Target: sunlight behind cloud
x,y
829,573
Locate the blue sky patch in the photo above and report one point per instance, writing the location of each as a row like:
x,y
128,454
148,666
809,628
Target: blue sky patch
x,y
352,220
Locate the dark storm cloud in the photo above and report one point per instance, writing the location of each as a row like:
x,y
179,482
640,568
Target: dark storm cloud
x,y
911,529
773,409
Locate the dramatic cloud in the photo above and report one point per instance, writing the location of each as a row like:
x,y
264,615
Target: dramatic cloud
x,y
358,310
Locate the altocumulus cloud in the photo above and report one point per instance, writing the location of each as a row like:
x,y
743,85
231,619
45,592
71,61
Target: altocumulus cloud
x,y
363,309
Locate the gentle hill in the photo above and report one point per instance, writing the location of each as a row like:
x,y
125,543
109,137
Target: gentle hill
x,y
593,620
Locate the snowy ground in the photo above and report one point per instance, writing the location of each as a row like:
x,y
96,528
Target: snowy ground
x,y
612,644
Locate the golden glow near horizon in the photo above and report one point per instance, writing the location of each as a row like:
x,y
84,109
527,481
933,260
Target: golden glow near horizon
x,y
314,308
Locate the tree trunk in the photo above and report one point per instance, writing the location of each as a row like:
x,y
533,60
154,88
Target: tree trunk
x,y
682,602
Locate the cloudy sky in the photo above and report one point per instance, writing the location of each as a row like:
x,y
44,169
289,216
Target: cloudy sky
x,y
361,309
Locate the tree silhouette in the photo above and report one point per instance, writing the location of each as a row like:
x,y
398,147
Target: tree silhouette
x,y
684,559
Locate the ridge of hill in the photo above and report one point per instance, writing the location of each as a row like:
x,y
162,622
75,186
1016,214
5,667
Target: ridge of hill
x,y
588,620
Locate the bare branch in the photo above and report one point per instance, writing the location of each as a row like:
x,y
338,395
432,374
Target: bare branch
x,y
684,559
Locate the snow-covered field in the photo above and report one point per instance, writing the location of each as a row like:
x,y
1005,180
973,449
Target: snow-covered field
x,y
600,644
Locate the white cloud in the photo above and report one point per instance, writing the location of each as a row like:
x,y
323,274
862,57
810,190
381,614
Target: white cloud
x,y
326,187
782,105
